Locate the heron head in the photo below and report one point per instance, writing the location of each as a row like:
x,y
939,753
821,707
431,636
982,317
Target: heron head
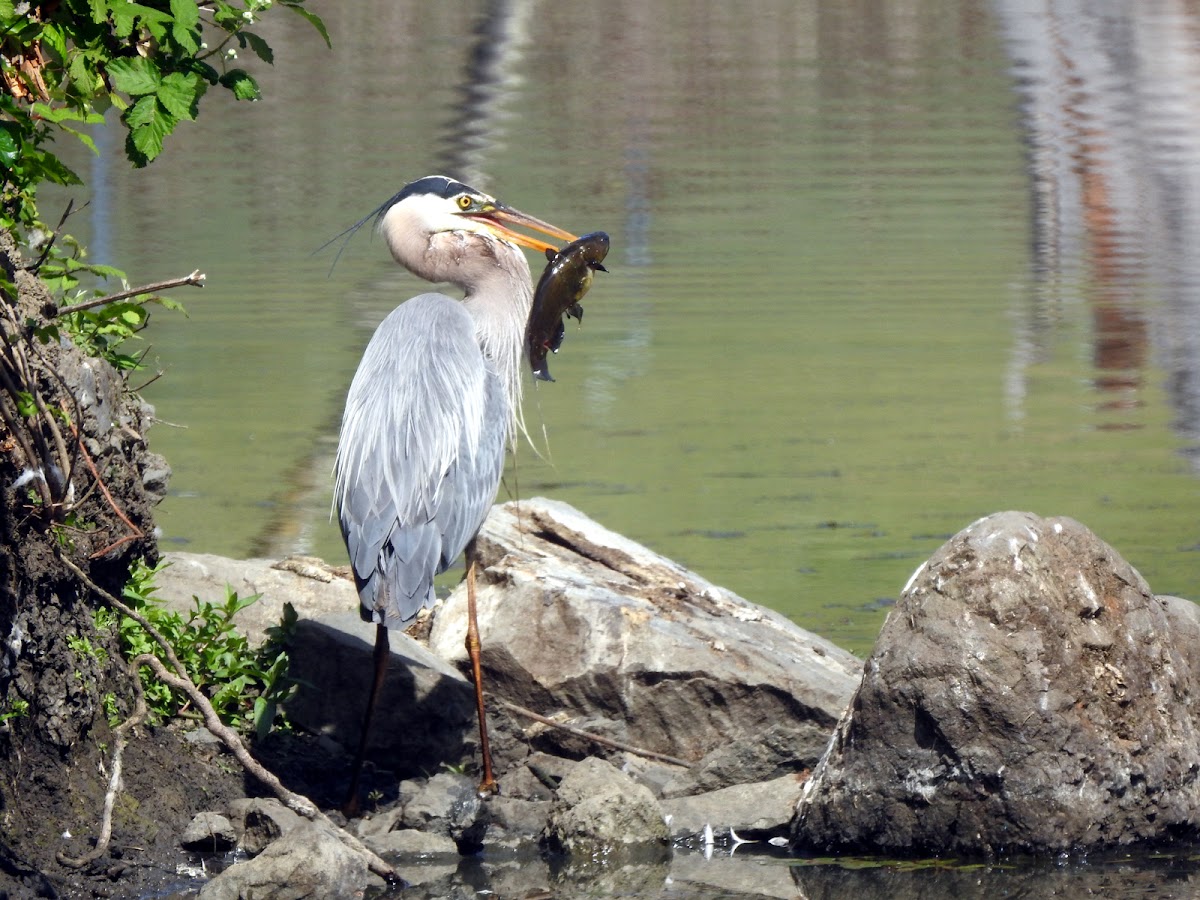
x,y
436,204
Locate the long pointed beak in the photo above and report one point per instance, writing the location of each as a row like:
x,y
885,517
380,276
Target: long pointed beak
x,y
502,216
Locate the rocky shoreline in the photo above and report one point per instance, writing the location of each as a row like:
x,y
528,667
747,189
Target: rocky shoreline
x,y
1028,695
592,644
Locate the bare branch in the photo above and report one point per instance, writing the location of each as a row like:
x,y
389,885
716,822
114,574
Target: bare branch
x,y
196,279
587,735
114,782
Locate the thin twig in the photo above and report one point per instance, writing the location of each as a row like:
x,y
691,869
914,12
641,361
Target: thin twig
x,y
35,267
145,384
587,735
22,436
88,461
181,681
196,278
114,782
23,373
60,446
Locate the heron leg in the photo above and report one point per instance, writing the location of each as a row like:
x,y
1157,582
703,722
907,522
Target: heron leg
x,y
488,785
351,808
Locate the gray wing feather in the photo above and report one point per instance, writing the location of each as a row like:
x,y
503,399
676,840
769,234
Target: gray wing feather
x,y
420,455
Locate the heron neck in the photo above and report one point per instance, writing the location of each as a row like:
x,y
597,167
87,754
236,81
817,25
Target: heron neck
x,y
500,306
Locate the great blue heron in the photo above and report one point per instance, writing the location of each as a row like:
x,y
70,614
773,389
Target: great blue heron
x,y
436,397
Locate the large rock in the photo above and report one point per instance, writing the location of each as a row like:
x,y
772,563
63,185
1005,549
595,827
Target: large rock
x,y
578,621
260,820
1025,694
309,861
751,811
312,587
599,810
425,713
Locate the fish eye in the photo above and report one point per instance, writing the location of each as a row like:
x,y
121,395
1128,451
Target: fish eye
x,y
464,202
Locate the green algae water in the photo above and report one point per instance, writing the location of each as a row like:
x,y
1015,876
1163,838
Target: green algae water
x,y
855,300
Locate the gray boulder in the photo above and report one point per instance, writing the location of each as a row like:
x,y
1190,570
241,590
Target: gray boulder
x,y
514,824
411,845
447,807
751,811
260,820
1027,693
446,804
599,810
579,621
310,585
309,861
426,709
208,832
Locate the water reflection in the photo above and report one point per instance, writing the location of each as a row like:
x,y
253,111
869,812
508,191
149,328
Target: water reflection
x,y
822,306
1109,105
475,134
760,873
1170,876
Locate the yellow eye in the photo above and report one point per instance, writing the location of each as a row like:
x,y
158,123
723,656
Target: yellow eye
x,y
464,202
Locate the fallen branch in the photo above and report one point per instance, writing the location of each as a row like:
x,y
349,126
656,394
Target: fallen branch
x,y
114,782
196,278
181,681
596,738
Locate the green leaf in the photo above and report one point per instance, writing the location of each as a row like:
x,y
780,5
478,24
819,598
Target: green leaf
x,y
82,74
258,45
180,94
134,75
142,112
52,36
25,405
167,303
205,71
105,271
227,17
99,11
123,17
65,114
313,19
10,144
45,166
145,141
186,27
242,84
85,139
126,15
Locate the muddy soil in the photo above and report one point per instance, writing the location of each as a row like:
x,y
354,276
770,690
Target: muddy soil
x,y
168,776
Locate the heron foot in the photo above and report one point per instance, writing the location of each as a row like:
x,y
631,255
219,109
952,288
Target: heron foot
x,y
489,787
